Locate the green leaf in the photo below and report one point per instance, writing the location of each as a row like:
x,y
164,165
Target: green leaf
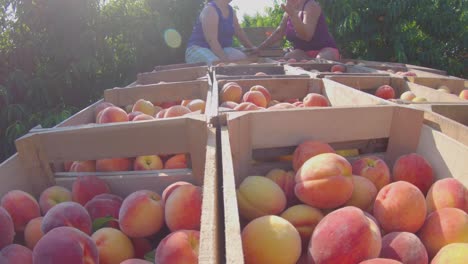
x,y
101,222
150,256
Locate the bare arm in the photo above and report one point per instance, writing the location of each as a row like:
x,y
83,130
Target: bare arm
x,y
277,35
305,28
240,34
209,19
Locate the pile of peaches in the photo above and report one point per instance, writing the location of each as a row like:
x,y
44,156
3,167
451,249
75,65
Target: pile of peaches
x,y
259,98
91,225
331,210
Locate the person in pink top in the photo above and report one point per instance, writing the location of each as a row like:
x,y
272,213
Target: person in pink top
x,y
305,27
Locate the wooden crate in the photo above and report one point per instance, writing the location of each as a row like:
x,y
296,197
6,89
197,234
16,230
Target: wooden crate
x,y
30,171
178,66
232,72
320,70
253,135
370,84
174,75
289,88
456,85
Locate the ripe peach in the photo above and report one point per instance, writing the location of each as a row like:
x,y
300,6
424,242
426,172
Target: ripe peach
x,y
405,247
385,92
33,232
101,106
455,253
150,162
183,206
196,105
414,169
175,111
280,106
448,192
255,97
132,115
141,214
160,114
229,104
67,214
109,196
141,246
178,161
143,117
53,196
260,74
263,90
443,227
374,169
400,206
307,150
324,181
112,114
345,236
83,166
271,239
364,193
315,99
304,218
144,106
21,206
84,188
115,164
338,68
464,94
258,196
380,261
407,96
104,207
246,106
180,247
285,181
169,189
7,228
15,253
231,92
66,245
113,246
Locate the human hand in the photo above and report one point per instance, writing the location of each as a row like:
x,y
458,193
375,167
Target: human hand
x,y
289,9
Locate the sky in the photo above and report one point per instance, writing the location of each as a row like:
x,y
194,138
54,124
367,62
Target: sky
x,y
250,7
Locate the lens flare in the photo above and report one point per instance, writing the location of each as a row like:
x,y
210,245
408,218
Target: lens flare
x,y
172,38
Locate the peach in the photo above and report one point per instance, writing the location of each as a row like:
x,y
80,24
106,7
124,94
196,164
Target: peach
x,y
405,247
455,253
400,206
324,181
291,60
182,209
298,104
246,106
83,166
307,150
280,106
255,97
464,94
135,261
112,114
260,74
448,192
443,227
380,261
407,96
197,105
374,169
258,196
160,114
338,68
33,232
143,117
364,193
113,246
285,181
229,104
144,106
21,206
84,188
180,247
169,189
101,106
66,245
141,246
109,196
53,196
16,254
263,90
271,239
231,92
385,92
315,99
419,99
178,161
150,162
343,236
132,115
7,228
141,214
67,214
444,89
115,164
175,111
104,207
414,169
304,218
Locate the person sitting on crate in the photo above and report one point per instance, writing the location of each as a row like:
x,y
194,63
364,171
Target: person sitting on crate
x,y
305,27
212,35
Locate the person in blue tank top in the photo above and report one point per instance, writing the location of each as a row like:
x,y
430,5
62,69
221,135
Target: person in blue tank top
x,y
212,36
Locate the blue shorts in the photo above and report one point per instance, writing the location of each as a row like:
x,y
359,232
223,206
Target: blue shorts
x,y
195,54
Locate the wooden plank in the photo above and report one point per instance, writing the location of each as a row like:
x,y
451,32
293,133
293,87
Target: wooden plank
x,y
449,127
426,69
13,176
248,69
172,75
342,95
178,66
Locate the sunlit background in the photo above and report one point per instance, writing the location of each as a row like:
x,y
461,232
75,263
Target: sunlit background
x,y
250,7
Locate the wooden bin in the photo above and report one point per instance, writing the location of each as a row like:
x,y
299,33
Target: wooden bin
x,y
370,84
456,85
232,72
386,131
31,172
173,75
320,70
